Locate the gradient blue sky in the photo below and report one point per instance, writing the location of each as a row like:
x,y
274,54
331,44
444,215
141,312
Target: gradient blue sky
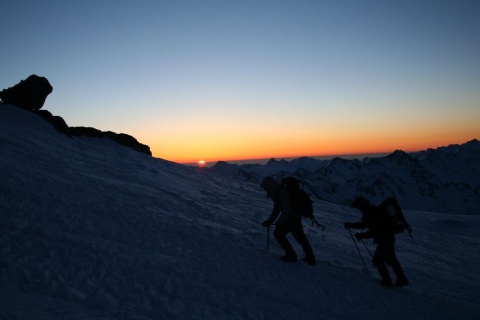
x,y
224,80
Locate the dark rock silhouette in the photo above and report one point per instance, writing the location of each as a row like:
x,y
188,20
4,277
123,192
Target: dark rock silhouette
x,y
29,94
86,132
121,138
58,123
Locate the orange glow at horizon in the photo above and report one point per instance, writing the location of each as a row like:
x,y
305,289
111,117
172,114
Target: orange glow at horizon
x,y
251,138
246,150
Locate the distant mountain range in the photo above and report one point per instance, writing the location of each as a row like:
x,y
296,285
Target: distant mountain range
x,y
446,179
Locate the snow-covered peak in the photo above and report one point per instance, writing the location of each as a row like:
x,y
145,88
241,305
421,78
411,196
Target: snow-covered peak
x,y
445,179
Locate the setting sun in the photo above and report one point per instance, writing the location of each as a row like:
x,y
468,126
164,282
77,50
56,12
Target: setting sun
x,y
201,163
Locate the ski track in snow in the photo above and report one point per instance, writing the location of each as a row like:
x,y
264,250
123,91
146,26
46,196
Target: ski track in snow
x,y
93,230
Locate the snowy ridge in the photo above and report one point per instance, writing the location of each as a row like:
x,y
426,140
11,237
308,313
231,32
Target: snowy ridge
x,y
93,230
446,179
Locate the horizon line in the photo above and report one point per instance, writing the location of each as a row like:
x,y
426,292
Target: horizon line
x,y
262,161
205,163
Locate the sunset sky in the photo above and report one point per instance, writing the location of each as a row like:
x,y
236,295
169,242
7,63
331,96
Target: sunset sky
x,y
232,80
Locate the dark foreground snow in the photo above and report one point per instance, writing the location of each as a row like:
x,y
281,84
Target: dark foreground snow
x,y
93,230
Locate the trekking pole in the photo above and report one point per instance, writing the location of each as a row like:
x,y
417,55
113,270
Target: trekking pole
x,y
370,252
318,224
268,238
358,250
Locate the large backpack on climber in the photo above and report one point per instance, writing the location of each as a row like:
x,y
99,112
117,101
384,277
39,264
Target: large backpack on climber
x,y
392,209
301,200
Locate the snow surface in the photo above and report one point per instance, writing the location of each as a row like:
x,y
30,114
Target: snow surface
x,y
90,229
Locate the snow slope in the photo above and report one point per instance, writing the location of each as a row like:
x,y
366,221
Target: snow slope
x,y
93,230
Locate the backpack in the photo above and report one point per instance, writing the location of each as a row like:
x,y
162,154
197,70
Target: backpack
x,y
301,200
393,211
